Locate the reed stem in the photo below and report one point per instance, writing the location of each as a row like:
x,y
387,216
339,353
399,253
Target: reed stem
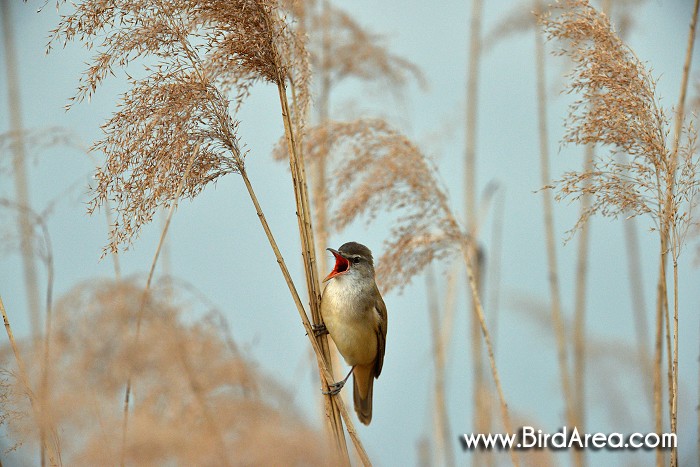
x,y
19,171
553,276
670,211
489,347
323,366
481,416
144,298
296,164
54,455
436,318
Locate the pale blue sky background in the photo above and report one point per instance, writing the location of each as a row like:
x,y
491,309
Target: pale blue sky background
x,y
216,242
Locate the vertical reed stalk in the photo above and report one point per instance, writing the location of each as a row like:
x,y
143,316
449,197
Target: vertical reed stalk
x,y
658,350
639,317
675,240
674,387
472,112
495,269
323,366
557,320
579,378
507,425
480,422
320,173
333,407
298,172
667,335
436,316
44,385
54,455
320,189
144,298
19,171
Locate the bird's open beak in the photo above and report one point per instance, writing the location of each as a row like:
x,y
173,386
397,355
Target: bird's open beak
x,y
342,265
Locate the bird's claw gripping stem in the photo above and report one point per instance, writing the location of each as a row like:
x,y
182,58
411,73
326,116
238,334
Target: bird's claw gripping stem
x,y
319,329
334,388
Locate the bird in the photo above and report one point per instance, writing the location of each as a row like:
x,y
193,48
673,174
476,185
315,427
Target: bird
x,y
355,316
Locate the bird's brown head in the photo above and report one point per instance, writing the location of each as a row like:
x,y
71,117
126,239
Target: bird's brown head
x,y
351,256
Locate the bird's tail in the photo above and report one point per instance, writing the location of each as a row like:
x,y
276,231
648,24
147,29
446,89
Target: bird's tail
x,y
363,382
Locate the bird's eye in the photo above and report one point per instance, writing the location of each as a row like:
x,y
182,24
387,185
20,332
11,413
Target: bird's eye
x,y
356,260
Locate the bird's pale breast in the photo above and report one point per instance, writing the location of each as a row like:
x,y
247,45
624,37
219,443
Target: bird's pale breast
x,y
346,319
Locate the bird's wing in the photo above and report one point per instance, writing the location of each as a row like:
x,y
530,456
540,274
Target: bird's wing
x,y
380,308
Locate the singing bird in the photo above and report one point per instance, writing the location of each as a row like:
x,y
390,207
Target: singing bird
x,y
355,315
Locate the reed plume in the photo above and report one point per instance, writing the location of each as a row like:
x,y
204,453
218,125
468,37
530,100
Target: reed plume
x,y
199,402
148,140
354,52
617,107
369,159
193,53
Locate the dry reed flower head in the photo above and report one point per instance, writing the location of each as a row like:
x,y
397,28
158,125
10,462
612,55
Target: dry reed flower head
x,y
617,107
379,170
35,140
39,240
196,399
355,52
519,19
524,16
12,415
194,53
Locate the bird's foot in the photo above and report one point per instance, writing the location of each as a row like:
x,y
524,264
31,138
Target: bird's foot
x,y
334,388
319,329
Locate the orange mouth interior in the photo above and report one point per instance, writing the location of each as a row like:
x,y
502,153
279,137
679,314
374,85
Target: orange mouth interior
x,y
341,266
